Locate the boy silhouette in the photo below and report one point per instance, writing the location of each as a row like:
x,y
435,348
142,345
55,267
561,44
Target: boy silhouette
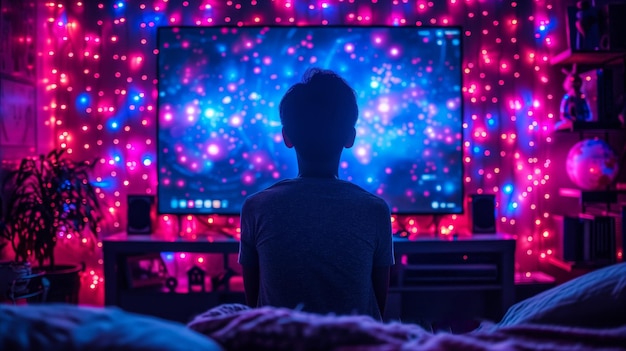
x,y
316,242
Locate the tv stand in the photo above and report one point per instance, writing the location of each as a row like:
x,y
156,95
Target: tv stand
x,y
180,305
433,279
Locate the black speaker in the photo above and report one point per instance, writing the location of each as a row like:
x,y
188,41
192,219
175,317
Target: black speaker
x,y
139,213
483,213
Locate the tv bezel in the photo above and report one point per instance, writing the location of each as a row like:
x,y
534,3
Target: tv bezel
x,y
237,213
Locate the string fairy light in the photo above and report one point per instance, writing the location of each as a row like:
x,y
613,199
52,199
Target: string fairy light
x,y
99,93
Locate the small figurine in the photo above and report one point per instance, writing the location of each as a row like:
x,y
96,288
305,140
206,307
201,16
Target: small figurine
x,y
574,106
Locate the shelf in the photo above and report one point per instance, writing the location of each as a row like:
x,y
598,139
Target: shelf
x,y
598,126
560,270
569,267
570,56
533,278
440,288
172,306
598,196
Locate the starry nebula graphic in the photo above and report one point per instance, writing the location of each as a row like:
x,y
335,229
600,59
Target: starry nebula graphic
x,y
219,134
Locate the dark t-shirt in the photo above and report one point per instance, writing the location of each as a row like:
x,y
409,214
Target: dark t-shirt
x,y
316,241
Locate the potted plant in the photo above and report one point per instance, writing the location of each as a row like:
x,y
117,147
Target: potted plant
x,y
46,197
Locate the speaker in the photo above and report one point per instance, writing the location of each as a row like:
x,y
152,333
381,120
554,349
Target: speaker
x,y
483,213
139,213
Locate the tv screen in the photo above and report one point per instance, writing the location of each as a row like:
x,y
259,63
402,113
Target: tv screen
x,y
219,130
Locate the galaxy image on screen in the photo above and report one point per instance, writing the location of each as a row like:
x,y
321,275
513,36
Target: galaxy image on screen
x,y
219,131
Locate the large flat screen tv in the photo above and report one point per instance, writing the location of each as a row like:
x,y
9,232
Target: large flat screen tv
x,y
219,131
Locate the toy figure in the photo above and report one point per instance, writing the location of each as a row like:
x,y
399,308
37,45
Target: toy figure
x,y
574,106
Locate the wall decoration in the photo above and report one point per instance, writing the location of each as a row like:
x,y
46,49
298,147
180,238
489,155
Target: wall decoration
x,y
17,119
18,132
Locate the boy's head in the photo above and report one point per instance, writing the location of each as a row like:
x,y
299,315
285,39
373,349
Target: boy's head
x,y
318,115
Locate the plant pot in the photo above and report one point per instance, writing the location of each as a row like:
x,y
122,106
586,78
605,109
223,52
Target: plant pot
x,y
16,282
64,282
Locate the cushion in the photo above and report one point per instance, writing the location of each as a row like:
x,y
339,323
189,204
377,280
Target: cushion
x,y
596,299
71,327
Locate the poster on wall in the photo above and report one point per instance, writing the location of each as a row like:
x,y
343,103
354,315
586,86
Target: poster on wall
x,y
18,131
18,50
17,119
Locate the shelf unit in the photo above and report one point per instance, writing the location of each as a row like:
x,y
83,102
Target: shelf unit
x,y
591,199
604,202
591,58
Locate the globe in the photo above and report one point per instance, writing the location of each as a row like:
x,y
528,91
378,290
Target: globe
x,y
592,164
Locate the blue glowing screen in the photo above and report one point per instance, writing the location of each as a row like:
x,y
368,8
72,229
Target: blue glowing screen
x,y
219,131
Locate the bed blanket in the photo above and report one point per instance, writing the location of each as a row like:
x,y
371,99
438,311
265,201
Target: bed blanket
x,y
237,327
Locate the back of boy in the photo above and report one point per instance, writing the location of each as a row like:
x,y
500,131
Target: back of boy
x,y
316,242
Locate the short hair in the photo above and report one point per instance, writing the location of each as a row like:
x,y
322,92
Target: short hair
x,y
319,113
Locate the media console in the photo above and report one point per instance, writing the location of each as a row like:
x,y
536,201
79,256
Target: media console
x,y
452,279
433,279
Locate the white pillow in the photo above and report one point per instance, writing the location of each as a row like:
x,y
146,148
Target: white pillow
x,y
71,327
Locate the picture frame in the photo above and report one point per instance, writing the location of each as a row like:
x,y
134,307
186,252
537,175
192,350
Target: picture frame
x,y
18,79
18,134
